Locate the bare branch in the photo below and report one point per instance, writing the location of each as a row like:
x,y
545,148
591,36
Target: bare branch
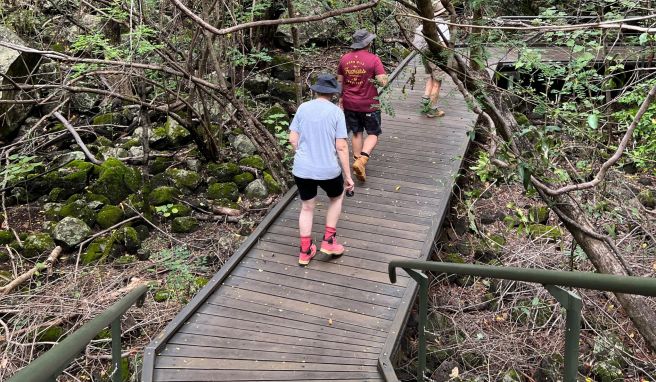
x,y
78,140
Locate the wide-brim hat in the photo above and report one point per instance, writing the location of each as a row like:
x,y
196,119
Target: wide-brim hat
x,y
326,84
362,38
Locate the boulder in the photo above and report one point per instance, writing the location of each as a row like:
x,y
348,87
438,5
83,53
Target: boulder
x,y
163,195
168,136
71,231
79,209
243,145
70,156
257,190
127,238
99,249
282,67
37,244
242,180
218,191
272,185
116,181
6,237
285,90
254,161
159,165
257,84
184,224
223,172
19,68
109,216
184,178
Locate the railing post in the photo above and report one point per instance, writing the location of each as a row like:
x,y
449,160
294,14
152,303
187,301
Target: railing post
x,y
572,304
116,350
422,280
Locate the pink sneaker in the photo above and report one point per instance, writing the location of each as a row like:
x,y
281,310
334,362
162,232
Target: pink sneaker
x,y
305,257
332,247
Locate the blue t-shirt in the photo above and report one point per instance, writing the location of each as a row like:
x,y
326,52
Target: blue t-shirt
x,y
319,123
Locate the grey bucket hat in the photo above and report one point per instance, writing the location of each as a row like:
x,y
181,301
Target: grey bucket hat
x,y
362,38
326,84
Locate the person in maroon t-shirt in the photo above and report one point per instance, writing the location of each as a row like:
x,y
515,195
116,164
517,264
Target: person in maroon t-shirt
x,y
359,71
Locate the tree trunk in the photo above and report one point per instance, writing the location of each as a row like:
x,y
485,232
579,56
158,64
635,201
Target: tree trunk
x,y
297,66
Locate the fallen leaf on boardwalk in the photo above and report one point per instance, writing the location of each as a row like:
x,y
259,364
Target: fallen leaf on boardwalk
x,y
398,188
330,321
260,270
454,373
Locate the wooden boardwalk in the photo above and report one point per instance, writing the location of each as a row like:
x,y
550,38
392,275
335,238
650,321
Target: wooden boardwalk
x,y
264,318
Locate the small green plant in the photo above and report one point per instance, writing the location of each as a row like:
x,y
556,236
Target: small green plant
x,y
179,266
483,168
166,210
281,132
18,168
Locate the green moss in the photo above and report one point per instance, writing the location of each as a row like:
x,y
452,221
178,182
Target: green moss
x,y
6,237
242,180
454,258
285,90
201,282
542,231
159,165
128,238
228,191
254,161
163,295
102,141
227,203
116,181
184,178
223,172
57,194
79,209
109,215
51,334
522,120
184,224
100,248
271,184
125,260
107,119
162,195
539,214
104,334
647,198
497,240
37,244
179,209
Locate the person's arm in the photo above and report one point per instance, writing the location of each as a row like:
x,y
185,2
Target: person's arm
x,y
382,80
379,71
340,80
341,145
293,139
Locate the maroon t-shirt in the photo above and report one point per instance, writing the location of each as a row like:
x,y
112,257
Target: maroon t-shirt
x,y
360,68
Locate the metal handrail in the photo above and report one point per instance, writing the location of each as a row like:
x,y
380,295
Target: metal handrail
x,y
551,280
52,363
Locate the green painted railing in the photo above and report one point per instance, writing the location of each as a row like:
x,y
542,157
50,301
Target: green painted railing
x,y
551,280
47,367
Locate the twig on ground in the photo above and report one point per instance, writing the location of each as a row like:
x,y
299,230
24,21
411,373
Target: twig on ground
x,y
78,140
28,275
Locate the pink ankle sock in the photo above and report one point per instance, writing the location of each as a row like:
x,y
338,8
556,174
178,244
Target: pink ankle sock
x,y
306,242
330,231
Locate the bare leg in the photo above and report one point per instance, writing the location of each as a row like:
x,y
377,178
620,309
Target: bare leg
x,y
429,87
306,216
334,210
370,143
435,92
356,141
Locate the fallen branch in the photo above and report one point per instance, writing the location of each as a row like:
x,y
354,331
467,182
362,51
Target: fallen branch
x,y
55,322
252,170
226,211
28,275
78,140
219,218
252,24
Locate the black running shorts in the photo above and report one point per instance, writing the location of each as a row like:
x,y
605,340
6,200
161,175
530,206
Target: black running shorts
x,y
307,188
359,121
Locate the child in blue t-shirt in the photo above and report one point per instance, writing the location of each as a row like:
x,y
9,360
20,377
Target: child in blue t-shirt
x,y
318,135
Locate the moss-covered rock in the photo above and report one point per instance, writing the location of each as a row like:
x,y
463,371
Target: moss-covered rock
x,y
454,258
163,195
256,190
71,231
242,180
184,178
541,231
184,224
79,209
116,181
159,165
51,334
218,191
108,119
57,194
226,203
103,141
285,90
223,172
6,237
163,295
271,184
100,248
522,119
68,180
200,282
243,145
125,260
109,215
539,214
647,198
169,136
282,67
254,161
38,244
127,238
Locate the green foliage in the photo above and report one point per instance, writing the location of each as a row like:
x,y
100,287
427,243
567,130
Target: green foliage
x,y
167,210
643,152
18,168
179,267
281,132
483,168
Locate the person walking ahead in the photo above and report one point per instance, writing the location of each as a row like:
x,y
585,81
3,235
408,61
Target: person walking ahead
x,y
359,71
318,135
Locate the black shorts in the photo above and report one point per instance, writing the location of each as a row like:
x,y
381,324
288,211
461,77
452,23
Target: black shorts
x,y
307,188
359,121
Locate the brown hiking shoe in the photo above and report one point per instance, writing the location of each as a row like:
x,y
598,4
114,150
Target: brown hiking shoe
x,y
359,168
435,113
